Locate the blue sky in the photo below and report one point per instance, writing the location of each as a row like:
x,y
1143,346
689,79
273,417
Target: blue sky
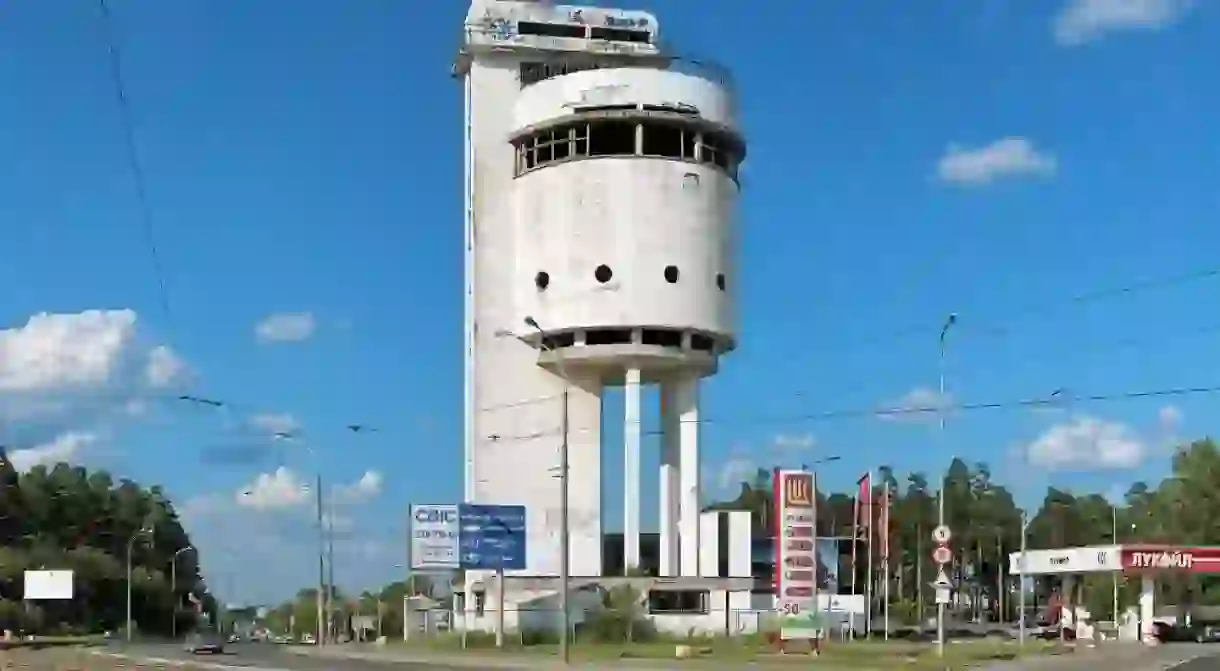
x,y
991,158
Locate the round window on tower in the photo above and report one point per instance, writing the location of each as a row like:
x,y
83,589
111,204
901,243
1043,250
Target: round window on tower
x,y
542,280
603,274
720,281
671,274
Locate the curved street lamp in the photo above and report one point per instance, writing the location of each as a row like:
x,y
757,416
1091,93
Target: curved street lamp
x,y
142,531
173,585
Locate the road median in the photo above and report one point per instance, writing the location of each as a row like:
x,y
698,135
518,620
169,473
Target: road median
x,y
50,642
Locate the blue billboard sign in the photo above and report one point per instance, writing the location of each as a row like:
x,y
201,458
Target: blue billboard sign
x,y
491,537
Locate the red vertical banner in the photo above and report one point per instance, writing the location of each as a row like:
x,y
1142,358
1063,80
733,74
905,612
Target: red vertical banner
x,y
855,539
864,507
883,533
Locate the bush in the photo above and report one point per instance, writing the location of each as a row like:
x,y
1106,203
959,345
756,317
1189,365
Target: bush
x,y
621,620
618,626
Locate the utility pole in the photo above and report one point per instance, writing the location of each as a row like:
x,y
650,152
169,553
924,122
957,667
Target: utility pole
x,y
1114,575
1021,584
919,574
322,598
331,628
940,607
144,529
565,538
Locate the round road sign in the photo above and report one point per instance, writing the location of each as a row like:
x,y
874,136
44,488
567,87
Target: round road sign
x,y
942,554
941,535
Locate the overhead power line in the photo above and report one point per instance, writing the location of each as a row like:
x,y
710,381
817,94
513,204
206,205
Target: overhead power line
x,y
134,164
1057,399
998,325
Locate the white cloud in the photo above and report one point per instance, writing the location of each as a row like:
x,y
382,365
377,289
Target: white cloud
x,y
733,472
284,488
794,443
66,447
164,367
1082,21
918,405
367,487
275,423
56,367
65,351
274,491
1169,418
1086,443
1008,157
285,327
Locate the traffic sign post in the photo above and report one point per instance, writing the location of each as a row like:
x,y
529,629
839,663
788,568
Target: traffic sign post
x,y
492,537
942,555
942,585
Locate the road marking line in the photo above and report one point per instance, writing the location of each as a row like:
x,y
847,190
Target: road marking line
x,y
185,662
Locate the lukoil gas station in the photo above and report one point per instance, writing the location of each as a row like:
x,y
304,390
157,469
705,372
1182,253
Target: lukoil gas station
x,y
1146,561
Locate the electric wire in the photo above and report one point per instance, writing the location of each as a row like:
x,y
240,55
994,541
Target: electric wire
x,y
976,329
999,325
134,164
1052,400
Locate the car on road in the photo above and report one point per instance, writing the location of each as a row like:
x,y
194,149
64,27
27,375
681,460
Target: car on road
x,y
205,641
1198,632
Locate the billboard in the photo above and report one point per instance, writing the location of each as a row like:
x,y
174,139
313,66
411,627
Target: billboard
x,y
434,537
48,585
796,565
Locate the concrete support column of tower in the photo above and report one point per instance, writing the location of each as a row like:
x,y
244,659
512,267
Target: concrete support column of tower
x,y
670,483
1147,604
631,470
686,395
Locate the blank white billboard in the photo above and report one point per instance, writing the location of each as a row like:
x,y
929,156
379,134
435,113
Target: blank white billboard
x,y
55,585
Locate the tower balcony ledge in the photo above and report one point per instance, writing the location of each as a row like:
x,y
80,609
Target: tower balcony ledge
x,y
656,362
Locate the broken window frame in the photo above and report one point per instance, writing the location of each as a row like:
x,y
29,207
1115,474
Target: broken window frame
x,y
696,146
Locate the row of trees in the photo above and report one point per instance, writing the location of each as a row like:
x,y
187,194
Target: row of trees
x,y
987,523
299,615
68,518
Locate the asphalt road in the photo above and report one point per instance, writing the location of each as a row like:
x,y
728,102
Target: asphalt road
x,y
1209,663
253,657
266,657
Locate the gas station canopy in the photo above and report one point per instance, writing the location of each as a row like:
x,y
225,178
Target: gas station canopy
x,y
1116,558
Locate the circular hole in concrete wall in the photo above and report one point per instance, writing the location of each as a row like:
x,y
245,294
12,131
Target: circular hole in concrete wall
x,y
671,274
542,280
720,281
603,274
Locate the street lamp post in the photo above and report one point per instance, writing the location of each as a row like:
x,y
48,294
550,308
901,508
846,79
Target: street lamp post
x,y
1021,582
288,435
130,546
564,533
944,331
173,586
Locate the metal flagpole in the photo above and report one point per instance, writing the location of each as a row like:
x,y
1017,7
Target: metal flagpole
x,y
855,541
885,561
868,623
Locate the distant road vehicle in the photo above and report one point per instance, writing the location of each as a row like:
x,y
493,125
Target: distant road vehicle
x,y
200,642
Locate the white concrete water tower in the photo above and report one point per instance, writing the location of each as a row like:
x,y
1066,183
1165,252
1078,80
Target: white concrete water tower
x,y
601,185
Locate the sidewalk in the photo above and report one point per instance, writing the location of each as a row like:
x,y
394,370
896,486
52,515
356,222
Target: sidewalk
x,y
1114,657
